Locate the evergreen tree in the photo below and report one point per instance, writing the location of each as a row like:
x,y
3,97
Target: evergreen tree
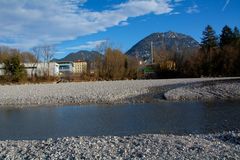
x,y
209,39
209,48
226,37
236,33
237,50
230,56
14,71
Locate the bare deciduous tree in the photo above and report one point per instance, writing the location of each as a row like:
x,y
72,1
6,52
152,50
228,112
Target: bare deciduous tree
x,y
37,54
103,46
46,52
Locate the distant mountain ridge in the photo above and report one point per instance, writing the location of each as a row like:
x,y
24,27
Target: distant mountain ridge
x,y
169,41
80,55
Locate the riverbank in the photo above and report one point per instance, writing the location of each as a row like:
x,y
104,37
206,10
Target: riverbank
x,y
103,92
206,91
211,146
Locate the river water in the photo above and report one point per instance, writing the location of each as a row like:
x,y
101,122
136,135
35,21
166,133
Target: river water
x,y
126,119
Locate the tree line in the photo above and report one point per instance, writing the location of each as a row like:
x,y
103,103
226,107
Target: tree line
x,y
115,65
12,61
217,55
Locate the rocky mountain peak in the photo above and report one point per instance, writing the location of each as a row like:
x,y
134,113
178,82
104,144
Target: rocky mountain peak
x,y
169,41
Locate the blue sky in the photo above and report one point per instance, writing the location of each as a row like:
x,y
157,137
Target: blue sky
x,y
73,25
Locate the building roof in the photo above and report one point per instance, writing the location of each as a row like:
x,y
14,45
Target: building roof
x,y
64,62
79,61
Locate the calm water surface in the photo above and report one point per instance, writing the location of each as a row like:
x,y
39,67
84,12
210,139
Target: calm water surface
x,y
94,120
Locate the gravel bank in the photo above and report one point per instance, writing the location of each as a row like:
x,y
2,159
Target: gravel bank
x,y
212,146
88,92
222,90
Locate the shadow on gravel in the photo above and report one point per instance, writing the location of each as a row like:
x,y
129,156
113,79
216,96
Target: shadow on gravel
x,y
156,94
230,138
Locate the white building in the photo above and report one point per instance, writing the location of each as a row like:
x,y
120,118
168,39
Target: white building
x,y
65,67
2,69
39,69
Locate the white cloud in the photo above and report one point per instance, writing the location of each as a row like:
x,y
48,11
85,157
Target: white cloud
x,y
174,13
226,4
193,9
88,46
124,23
26,23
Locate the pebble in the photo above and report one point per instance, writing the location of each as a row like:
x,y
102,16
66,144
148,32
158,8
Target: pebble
x,y
224,90
103,92
134,147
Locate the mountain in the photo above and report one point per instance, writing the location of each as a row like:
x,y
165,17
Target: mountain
x,y
80,55
167,41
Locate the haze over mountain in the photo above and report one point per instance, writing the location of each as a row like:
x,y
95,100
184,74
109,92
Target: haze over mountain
x,y
80,55
167,41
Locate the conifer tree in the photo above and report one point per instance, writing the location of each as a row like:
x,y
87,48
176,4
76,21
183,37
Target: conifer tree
x,y
209,48
236,33
209,39
230,56
237,50
14,71
226,38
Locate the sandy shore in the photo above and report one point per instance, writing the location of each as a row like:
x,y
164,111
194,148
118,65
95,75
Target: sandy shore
x,y
212,146
99,92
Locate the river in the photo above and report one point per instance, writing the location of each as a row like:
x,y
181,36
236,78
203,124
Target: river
x,y
24,123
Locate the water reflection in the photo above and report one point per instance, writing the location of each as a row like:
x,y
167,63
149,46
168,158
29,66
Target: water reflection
x,y
93,120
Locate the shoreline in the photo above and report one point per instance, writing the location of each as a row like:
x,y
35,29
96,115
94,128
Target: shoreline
x,y
108,92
